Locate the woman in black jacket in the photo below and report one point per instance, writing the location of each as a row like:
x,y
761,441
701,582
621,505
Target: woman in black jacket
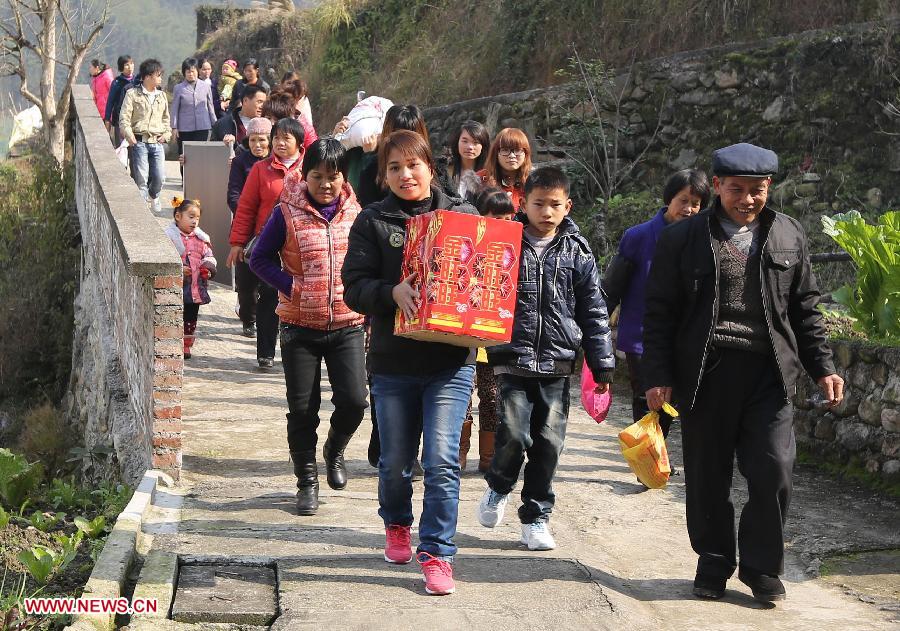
x,y
422,387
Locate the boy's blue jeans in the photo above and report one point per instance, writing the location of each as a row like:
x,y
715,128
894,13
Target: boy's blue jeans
x,y
435,407
533,415
148,162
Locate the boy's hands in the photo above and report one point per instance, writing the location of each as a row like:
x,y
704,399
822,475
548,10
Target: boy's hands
x,y
406,297
601,388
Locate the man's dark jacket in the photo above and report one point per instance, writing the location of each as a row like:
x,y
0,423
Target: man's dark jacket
x,y
228,124
559,308
371,270
682,304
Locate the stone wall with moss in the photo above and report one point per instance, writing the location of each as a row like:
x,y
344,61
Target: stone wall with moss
x,y
865,428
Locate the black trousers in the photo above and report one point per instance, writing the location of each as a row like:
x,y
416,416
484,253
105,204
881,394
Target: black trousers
x,y
740,410
266,318
191,312
246,283
302,352
639,407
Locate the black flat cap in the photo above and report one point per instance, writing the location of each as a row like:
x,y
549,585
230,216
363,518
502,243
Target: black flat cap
x,y
746,160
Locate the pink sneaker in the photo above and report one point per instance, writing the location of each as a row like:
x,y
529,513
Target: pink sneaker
x,y
438,574
396,546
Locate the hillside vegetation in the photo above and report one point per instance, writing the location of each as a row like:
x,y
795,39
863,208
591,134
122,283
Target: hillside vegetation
x,y
431,52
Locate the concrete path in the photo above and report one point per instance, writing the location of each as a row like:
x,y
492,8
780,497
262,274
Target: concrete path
x,y
623,561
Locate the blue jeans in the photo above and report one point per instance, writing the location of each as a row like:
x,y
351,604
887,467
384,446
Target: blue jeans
x,y
148,167
433,406
533,415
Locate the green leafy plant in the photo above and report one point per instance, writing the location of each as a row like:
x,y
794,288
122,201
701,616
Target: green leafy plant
x,y
875,249
97,546
11,602
112,498
92,528
63,494
18,477
69,545
4,518
45,521
40,561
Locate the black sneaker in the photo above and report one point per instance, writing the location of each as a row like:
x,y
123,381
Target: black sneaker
x,y
417,471
709,587
249,330
765,587
266,362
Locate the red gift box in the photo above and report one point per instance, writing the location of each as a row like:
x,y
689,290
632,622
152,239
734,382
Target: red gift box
x,y
468,267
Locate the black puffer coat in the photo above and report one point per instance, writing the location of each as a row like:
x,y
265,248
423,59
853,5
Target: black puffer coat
x,y
559,308
370,272
683,298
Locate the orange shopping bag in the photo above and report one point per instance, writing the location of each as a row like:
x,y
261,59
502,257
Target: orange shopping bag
x,y
644,448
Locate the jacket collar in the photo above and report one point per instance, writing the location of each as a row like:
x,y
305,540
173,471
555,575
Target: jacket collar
x,y
390,207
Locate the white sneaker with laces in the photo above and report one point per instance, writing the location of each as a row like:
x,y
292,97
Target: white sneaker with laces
x,y
536,536
491,507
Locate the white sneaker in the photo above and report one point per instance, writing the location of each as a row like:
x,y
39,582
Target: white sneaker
x,y
491,507
536,536
156,205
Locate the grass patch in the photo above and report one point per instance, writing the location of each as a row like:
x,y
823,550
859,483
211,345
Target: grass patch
x,y
853,470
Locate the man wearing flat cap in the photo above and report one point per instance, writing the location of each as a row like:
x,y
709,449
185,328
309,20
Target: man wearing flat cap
x,y
730,322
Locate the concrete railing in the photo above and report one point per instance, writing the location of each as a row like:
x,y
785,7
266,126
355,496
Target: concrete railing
x,y
125,391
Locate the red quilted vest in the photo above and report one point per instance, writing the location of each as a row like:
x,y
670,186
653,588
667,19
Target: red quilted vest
x,y
313,253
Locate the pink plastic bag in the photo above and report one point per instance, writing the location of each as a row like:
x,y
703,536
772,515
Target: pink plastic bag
x,y
597,405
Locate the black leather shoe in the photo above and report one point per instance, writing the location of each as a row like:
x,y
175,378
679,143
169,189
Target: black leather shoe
x,y
307,474
374,446
249,330
765,587
709,587
266,362
333,453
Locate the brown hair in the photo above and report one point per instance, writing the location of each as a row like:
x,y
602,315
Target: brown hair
x,y
407,117
408,143
508,138
279,105
296,87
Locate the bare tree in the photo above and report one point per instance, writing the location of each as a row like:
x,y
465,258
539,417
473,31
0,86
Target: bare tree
x,y
49,38
596,135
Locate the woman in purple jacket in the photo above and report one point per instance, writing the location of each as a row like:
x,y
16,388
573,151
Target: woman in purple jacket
x,y
193,112
625,280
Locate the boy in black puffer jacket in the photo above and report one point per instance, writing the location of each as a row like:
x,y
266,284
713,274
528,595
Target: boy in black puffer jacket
x,y
559,308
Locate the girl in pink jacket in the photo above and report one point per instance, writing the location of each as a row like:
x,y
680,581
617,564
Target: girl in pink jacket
x,y
101,78
198,263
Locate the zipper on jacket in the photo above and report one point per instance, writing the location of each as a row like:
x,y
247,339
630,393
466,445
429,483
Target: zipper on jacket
x,y
765,301
540,292
330,274
715,310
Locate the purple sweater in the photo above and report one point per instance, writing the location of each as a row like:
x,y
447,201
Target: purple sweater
x,y
637,245
265,260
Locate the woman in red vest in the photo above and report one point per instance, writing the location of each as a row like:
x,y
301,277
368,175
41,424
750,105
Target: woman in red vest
x,y
300,252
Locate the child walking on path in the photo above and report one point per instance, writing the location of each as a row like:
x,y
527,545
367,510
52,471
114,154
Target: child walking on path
x,y
198,262
559,308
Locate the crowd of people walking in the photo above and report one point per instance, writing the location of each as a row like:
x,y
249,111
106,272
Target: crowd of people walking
x,y
716,298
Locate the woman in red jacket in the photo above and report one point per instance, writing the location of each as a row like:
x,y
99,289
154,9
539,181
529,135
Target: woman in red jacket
x,y
301,252
259,196
509,164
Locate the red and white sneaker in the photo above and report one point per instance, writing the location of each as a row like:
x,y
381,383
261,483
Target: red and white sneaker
x,y
437,573
396,545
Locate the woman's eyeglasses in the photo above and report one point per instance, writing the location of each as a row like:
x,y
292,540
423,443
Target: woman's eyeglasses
x,y
512,152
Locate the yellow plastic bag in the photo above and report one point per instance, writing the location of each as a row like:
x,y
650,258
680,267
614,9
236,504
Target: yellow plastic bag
x,y
644,448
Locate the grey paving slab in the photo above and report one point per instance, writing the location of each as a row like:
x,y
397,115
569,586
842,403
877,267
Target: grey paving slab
x,y
226,593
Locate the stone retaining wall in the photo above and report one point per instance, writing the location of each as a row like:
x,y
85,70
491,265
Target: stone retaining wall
x,y
125,389
799,95
867,424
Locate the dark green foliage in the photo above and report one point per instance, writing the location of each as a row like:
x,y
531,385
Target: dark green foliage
x,y
39,259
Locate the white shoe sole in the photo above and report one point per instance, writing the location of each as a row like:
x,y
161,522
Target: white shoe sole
x,y
537,549
431,593
392,562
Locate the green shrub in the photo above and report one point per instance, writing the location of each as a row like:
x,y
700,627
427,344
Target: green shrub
x,y
875,300
39,259
18,478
